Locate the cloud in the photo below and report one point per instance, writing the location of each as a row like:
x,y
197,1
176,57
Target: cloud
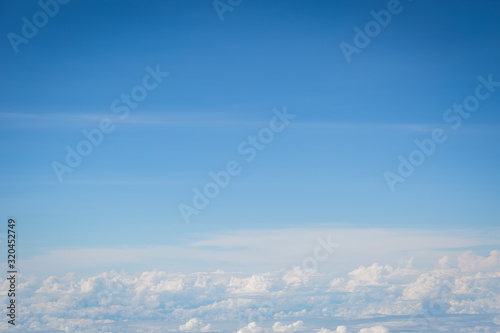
x,y
297,276
194,325
428,285
259,250
254,284
367,276
251,328
296,326
343,329
374,329
158,281
340,329
469,261
189,301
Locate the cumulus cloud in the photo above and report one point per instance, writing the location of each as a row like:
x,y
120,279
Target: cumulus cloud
x,y
254,284
428,285
194,325
188,302
298,276
470,262
279,327
251,328
340,329
158,281
343,329
367,276
374,329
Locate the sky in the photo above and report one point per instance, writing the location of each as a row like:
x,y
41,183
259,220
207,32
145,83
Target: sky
x,y
333,124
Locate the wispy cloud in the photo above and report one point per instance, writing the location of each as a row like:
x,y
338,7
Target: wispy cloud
x,y
198,120
257,250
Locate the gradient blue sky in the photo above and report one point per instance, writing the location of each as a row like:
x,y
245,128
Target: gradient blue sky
x,y
353,120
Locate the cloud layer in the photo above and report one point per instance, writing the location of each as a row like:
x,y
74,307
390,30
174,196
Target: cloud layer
x,y
459,294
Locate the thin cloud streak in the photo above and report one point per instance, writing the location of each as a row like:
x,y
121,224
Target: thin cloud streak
x,y
154,120
280,248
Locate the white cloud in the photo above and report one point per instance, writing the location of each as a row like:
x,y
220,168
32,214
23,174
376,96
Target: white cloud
x,y
251,328
367,276
158,281
374,329
194,325
296,326
260,249
298,275
188,302
470,262
254,284
426,286
340,329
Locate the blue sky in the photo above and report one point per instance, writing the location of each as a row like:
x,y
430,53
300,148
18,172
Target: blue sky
x,y
352,121
309,235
